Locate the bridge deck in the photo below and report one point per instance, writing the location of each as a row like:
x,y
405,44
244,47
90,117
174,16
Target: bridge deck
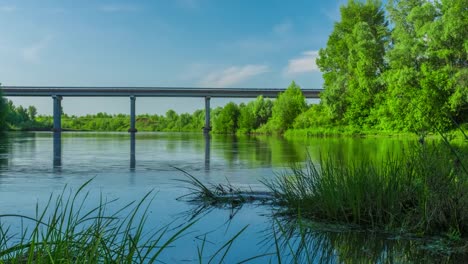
x,y
147,91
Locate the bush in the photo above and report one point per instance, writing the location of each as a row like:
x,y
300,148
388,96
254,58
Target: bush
x,y
287,107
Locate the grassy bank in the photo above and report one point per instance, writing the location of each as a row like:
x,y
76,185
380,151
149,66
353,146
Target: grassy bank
x,y
344,131
422,191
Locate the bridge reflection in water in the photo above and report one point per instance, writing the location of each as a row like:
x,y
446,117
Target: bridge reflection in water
x,y
57,147
57,158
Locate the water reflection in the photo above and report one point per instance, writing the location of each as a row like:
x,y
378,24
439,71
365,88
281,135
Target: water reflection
x,y
132,151
190,151
307,242
57,142
207,138
4,150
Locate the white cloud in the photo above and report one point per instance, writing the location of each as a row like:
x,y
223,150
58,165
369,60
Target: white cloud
x,y
114,8
302,64
32,53
7,8
233,75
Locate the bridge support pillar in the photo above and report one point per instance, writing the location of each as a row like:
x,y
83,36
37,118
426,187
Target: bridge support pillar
x,y
57,113
207,127
132,128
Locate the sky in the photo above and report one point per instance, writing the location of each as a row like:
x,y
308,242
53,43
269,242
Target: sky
x,y
174,43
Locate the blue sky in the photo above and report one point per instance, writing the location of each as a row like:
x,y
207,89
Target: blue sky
x,y
196,43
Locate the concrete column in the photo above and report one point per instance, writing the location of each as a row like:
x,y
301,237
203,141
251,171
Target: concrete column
x,y
57,113
207,127
132,115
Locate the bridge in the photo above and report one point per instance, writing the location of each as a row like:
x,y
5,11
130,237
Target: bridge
x,y
58,92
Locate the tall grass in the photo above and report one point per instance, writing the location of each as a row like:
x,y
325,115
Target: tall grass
x,y
65,231
421,191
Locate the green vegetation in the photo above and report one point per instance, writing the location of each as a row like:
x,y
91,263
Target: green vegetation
x,y
3,111
64,230
71,229
410,78
352,63
286,108
417,192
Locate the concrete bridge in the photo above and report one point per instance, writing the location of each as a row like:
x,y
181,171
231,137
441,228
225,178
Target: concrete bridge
x,y
58,92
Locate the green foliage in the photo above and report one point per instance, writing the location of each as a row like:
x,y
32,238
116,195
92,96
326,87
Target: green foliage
x,y
286,108
3,111
353,61
254,114
412,78
416,85
315,116
416,192
226,122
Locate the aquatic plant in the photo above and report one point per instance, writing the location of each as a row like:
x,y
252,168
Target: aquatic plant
x,y
417,191
69,230
220,194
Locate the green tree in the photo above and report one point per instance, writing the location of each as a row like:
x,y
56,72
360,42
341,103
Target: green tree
x,y
449,46
226,122
246,118
263,110
3,111
315,116
32,112
427,65
353,61
254,114
286,108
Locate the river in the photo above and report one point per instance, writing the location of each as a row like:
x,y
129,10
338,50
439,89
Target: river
x,y
35,164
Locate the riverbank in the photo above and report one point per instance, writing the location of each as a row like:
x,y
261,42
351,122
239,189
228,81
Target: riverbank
x,y
343,131
453,135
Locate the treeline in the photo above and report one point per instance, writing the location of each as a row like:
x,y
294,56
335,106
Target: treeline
x,y
258,116
400,70
20,118
171,121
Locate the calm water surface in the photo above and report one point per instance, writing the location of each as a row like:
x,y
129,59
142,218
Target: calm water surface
x,y
34,165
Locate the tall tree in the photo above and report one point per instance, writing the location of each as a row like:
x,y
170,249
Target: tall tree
x,y
427,74
449,46
287,107
254,114
353,61
226,121
32,112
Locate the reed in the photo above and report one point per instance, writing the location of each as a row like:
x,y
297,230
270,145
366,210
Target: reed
x,y
68,230
421,191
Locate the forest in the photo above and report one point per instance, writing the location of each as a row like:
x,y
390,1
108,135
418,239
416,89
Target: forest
x,y
401,67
